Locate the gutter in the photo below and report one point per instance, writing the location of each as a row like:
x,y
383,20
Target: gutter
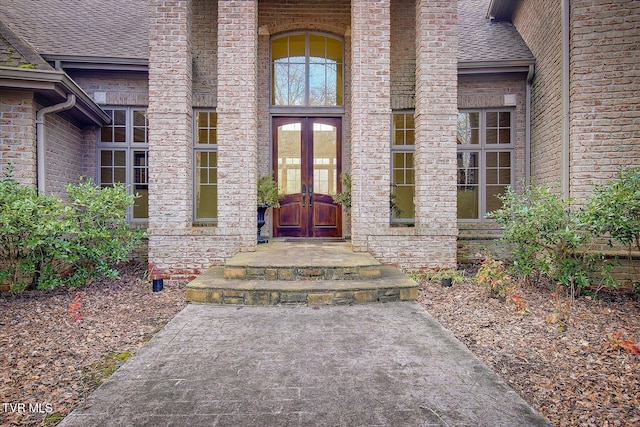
x,y
40,137
57,82
527,130
565,152
96,63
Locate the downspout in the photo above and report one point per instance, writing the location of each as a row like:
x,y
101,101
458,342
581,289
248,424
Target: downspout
x,y
40,139
527,131
566,142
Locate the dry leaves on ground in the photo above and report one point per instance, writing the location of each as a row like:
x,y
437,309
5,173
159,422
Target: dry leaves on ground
x,y
585,376
50,339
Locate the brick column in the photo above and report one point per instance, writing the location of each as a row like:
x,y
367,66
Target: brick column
x,y
237,119
436,118
170,121
370,118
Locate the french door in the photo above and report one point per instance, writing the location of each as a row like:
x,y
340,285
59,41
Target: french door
x,y
307,161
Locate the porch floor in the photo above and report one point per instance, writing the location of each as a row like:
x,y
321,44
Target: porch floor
x,y
302,273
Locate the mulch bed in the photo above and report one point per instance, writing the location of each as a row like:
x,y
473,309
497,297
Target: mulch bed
x,y
50,342
578,377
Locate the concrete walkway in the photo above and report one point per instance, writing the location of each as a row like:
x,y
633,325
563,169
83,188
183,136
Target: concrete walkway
x,y
370,365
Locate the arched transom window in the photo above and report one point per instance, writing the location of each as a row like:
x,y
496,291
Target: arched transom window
x,y
306,70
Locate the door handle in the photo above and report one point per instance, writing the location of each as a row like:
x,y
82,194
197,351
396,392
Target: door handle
x,y
310,194
304,194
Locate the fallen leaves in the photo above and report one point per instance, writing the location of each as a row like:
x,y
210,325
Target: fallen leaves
x,y
50,340
587,375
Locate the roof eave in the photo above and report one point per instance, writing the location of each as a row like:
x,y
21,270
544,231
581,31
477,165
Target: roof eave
x,y
97,63
501,10
511,66
55,85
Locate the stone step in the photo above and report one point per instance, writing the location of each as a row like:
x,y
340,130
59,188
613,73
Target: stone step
x,y
213,287
302,261
301,273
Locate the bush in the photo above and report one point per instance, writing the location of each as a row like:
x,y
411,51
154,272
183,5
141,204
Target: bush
x,y
614,209
27,221
493,277
547,238
344,197
51,243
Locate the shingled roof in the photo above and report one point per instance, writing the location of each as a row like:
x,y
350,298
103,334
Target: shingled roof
x,y
15,52
81,28
483,40
119,29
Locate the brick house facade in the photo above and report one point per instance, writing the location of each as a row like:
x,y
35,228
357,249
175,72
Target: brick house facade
x,y
443,103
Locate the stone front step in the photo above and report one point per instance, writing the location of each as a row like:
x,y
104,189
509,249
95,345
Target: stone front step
x,y
213,287
301,273
302,261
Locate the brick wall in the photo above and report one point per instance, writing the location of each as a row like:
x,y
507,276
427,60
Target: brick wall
x,y
313,15
403,54
539,23
605,91
131,89
18,136
89,154
170,132
64,157
238,119
370,119
432,243
204,42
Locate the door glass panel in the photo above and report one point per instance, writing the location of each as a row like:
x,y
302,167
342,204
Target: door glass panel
x,y
325,168
289,159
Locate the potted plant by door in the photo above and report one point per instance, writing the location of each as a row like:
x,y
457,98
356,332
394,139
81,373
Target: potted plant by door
x,y
267,197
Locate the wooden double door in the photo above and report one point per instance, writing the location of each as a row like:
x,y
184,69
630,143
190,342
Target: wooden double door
x,y
307,161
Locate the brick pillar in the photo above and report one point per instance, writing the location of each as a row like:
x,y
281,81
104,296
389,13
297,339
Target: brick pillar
x,y
237,119
370,118
436,117
170,121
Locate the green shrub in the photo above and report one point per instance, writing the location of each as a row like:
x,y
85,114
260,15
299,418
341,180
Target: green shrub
x,y
344,197
493,277
29,223
614,209
548,238
51,243
101,236
267,192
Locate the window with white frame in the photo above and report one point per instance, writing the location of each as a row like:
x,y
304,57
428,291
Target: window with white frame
x,y
485,160
123,156
403,178
205,153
